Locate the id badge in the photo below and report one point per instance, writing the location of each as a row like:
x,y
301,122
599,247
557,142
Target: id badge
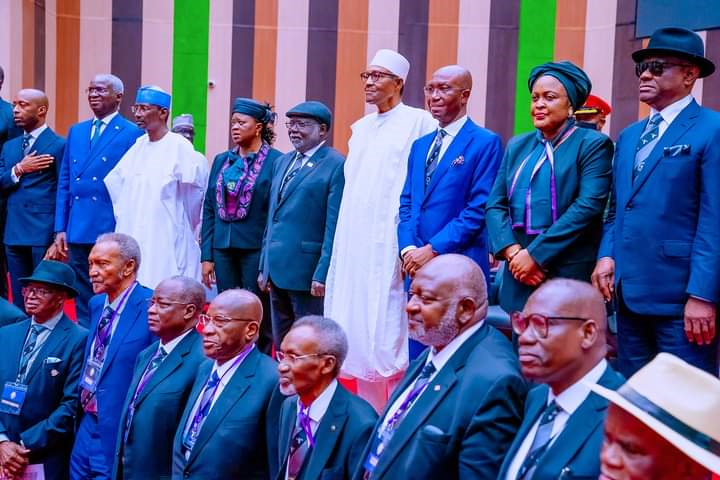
x,y
88,381
13,397
376,449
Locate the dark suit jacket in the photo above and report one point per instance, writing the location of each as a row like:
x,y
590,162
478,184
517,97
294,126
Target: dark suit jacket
x,y
47,419
8,129
450,213
575,454
231,443
662,229
148,452
246,233
130,338
475,401
301,226
568,248
340,438
9,313
84,210
31,201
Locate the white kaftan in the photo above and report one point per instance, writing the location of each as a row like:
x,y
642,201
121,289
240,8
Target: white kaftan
x,y
364,288
157,191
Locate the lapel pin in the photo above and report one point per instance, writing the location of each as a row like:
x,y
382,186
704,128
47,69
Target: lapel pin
x,y
436,388
117,128
54,373
458,161
332,428
309,164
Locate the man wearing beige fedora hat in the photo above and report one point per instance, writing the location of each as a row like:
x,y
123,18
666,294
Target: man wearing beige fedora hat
x,y
663,424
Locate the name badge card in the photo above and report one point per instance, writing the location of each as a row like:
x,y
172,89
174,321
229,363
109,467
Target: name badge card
x,y
89,378
13,397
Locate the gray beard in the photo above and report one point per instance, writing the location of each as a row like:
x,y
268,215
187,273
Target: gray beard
x,y
440,335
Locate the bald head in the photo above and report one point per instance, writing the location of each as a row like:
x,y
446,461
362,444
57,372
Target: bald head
x,y
30,108
447,93
564,333
460,273
232,323
242,304
35,96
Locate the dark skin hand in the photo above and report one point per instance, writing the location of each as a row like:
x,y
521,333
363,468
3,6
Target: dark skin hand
x,y
525,269
263,284
700,317
33,162
415,259
208,274
13,457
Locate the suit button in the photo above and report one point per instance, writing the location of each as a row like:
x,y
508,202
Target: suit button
x,y
74,160
94,179
104,159
77,197
629,206
94,199
77,179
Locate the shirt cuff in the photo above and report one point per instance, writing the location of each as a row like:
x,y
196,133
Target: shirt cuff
x,y
407,249
4,438
13,177
700,298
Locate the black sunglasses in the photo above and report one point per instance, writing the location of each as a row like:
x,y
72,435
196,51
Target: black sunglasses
x,y
656,67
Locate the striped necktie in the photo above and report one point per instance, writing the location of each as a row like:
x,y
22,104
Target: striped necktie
x,y
434,158
648,140
28,351
300,445
206,398
292,172
150,370
96,133
26,143
540,442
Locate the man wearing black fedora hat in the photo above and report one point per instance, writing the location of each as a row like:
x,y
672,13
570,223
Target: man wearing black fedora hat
x,y
39,370
659,254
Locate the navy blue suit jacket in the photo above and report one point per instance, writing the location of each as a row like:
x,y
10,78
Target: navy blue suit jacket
x,y
575,453
84,210
663,229
231,442
47,419
301,226
31,201
475,405
8,129
130,338
339,440
9,313
148,451
450,213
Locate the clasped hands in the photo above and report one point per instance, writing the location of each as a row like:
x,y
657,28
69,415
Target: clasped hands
x,y
414,259
13,459
523,266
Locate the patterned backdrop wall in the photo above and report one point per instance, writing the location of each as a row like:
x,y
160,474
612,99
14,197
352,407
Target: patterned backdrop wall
x,y
285,51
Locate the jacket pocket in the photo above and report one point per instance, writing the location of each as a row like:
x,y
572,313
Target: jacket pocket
x,y
676,249
310,247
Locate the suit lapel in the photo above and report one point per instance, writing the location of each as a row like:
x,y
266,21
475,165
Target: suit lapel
x,y
308,168
126,321
232,394
13,350
287,425
43,142
328,433
83,143
112,130
173,361
682,123
456,147
54,340
418,170
537,401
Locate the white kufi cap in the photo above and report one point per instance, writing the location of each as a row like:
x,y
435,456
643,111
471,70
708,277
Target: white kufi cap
x,y
393,61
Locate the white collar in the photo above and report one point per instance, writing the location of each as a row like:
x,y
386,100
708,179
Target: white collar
x,y
670,112
107,118
224,370
396,108
170,346
454,128
322,402
309,153
116,305
50,324
36,133
571,398
439,359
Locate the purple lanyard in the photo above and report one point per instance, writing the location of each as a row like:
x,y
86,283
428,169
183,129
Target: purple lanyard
x,y
102,336
304,418
549,155
409,400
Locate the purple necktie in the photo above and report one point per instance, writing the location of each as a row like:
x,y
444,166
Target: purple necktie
x,y
88,399
202,412
147,375
302,442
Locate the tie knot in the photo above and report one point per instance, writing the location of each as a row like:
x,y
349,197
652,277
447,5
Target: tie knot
x,y
551,411
27,137
163,353
37,328
656,119
427,370
108,311
97,122
214,379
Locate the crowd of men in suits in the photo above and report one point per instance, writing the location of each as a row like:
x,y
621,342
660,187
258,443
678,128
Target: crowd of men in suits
x,y
155,382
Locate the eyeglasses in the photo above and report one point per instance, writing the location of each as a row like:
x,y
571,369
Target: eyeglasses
x,y
656,67
442,90
141,108
163,303
539,323
291,359
37,291
98,90
375,76
219,321
302,124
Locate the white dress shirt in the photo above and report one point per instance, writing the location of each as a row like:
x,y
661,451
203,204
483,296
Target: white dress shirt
x,y
42,336
104,122
670,113
118,305
170,346
303,159
569,400
439,360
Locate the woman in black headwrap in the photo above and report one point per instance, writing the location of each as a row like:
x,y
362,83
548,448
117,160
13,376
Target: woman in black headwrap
x,y
236,203
544,213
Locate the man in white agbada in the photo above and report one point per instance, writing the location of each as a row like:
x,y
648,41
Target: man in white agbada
x,y
157,191
364,291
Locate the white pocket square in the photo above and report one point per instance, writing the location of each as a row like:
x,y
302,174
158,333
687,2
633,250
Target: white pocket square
x,y
51,360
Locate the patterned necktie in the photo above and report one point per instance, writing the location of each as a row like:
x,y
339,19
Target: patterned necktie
x,y
292,172
299,446
150,370
102,338
28,351
96,133
432,161
540,442
26,143
202,412
650,136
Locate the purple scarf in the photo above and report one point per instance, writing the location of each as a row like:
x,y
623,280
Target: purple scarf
x,y
236,183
